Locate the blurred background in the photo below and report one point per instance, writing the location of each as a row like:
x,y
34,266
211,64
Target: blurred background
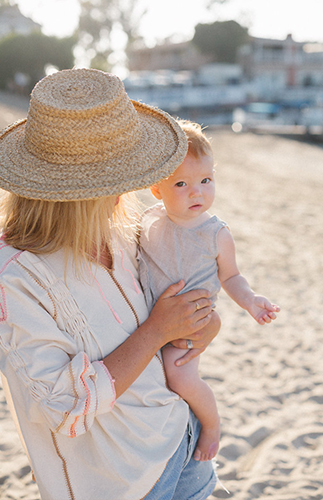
x,y
247,64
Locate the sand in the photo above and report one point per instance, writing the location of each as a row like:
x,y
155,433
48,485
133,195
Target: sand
x,y
267,379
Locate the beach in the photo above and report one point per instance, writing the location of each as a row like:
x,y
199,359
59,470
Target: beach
x,y
267,379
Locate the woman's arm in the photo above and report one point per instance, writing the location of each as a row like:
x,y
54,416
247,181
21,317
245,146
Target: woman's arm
x,y
48,372
54,379
174,316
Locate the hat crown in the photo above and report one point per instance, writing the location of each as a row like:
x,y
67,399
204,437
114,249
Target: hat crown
x,y
75,118
84,138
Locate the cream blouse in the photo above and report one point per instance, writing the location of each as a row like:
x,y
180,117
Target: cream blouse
x,y
54,330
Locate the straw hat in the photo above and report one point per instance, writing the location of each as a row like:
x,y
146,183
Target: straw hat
x,y
84,138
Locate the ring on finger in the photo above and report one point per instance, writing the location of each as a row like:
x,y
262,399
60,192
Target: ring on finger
x,y
197,305
189,344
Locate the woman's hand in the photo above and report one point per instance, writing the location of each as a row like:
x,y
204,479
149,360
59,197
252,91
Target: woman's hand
x,y
181,316
200,339
174,316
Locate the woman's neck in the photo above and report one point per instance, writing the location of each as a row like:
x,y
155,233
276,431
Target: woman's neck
x,y
105,259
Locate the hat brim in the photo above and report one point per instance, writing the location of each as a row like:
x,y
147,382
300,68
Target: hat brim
x,y
162,147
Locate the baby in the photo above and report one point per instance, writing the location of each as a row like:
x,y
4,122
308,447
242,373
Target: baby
x,y
181,240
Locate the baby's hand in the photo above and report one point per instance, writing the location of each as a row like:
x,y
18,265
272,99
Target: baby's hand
x,y
262,310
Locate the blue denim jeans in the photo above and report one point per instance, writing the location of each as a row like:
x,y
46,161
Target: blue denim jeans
x,y
184,478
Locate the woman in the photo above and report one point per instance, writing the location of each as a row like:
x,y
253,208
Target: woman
x,y
80,357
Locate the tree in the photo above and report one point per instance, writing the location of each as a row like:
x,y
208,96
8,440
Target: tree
x,y
102,22
220,39
29,54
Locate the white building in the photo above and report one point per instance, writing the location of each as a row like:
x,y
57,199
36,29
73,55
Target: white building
x,y
276,68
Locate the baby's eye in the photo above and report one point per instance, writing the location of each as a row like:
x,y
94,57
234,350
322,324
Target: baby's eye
x,y
206,180
180,184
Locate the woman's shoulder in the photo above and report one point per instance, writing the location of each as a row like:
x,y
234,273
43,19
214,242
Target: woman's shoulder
x,y
26,265
8,255
16,281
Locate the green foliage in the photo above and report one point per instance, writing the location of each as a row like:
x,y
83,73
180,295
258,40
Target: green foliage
x,y
99,21
220,39
29,54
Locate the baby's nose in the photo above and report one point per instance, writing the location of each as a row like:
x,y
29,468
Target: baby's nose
x,y
195,191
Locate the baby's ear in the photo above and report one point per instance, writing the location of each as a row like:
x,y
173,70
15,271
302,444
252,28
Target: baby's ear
x,y
155,191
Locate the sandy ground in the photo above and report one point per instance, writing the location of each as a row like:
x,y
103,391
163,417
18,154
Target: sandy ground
x,y
267,380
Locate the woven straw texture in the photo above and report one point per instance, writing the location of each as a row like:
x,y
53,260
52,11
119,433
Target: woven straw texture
x,y
84,138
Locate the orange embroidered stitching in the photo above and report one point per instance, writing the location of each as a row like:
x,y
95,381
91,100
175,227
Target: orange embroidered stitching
x,y
43,287
88,399
3,305
124,296
87,402
67,479
67,413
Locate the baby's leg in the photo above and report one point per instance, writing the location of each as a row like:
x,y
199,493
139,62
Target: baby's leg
x,y
185,381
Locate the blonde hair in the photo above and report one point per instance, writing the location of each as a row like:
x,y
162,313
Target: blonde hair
x,y
198,143
83,228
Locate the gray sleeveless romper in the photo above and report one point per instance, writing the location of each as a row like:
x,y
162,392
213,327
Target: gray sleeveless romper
x,y
168,252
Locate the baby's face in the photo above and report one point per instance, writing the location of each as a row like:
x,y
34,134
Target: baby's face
x,y
189,192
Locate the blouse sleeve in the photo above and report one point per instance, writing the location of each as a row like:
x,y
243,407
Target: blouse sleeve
x,y
46,371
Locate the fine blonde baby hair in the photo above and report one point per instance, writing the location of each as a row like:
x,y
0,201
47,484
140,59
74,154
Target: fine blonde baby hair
x,y
198,143
82,228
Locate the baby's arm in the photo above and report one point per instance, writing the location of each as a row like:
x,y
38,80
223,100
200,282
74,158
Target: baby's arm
x,y
236,286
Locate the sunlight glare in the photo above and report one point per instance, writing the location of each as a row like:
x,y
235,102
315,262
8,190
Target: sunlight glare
x,y
177,18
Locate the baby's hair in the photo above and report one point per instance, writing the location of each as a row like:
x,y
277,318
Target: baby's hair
x,y
198,143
